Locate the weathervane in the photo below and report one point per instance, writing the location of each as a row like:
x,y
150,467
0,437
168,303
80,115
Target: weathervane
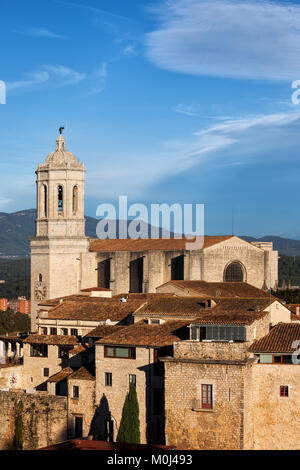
x,y
61,129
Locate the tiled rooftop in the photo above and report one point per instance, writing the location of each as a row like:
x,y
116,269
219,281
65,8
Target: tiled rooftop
x,y
229,311
294,308
61,375
142,334
96,310
103,330
147,244
217,290
235,311
83,373
279,340
171,306
71,298
51,339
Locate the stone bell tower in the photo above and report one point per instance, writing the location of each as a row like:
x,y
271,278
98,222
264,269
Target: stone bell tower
x,y
60,242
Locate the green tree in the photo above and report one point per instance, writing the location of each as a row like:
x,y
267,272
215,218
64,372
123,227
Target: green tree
x,y
129,430
13,322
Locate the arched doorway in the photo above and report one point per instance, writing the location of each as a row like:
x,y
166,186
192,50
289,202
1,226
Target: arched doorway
x,y
234,272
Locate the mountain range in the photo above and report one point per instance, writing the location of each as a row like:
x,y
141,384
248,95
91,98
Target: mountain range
x,y
17,227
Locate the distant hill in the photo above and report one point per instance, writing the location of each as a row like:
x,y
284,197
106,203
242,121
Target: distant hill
x,y
285,246
16,228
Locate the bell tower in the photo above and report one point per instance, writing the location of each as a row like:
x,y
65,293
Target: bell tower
x,y
60,242
60,194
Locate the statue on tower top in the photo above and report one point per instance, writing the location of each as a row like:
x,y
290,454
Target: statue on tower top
x,y
60,130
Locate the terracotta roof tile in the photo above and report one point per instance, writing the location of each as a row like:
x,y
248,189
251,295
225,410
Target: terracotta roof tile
x,y
218,290
143,334
280,339
12,338
295,317
103,330
235,311
71,298
142,296
97,310
147,244
294,308
61,375
77,349
171,306
51,339
83,373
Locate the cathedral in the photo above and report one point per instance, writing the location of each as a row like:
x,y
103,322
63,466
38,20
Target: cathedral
x,y
64,261
196,334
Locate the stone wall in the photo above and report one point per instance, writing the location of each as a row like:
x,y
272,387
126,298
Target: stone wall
x,y
110,399
44,419
218,256
275,420
33,367
190,427
83,406
211,350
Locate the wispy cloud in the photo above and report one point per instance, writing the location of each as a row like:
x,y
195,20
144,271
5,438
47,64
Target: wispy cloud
x,y
130,50
233,142
98,11
33,79
50,74
246,39
188,110
41,32
64,75
233,126
98,79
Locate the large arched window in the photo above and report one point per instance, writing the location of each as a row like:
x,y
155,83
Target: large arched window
x,y
75,199
60,198
234,272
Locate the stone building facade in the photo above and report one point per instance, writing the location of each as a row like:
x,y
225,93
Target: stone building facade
x,y
236,349
64,261
195,330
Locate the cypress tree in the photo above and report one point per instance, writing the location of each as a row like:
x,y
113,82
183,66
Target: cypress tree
x,y
129,430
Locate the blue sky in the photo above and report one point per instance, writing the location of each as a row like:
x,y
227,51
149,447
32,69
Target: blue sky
x,y
183,101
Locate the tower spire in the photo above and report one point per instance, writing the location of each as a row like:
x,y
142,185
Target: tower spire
x,y
60,142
